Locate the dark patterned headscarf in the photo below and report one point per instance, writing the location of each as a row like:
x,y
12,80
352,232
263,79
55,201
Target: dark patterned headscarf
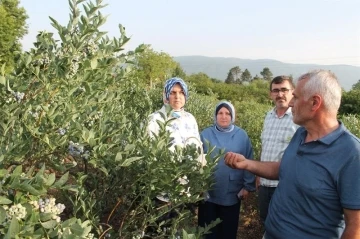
x,y
231,109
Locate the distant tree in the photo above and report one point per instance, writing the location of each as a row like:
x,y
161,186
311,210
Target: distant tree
x,y
153,67
179,72
12,29
201,82
215,80
256,77
234,75
266,74
350,102
246,76
356,86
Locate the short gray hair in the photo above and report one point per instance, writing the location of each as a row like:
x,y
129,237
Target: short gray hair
x,y
325,84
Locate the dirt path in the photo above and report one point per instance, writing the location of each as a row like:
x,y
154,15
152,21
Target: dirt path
x,y
250,226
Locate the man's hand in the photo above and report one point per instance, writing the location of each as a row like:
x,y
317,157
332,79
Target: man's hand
x,y
234,160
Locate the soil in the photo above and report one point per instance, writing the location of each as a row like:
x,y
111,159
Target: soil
x,y
250,226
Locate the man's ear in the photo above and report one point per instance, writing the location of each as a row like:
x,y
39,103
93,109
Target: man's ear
x,y
317,101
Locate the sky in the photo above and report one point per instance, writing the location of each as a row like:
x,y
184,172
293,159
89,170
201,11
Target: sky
x,y
292,31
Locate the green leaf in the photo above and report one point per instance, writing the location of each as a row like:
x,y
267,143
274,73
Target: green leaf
x,y
118,156
62,180
54,23
104,170
46,139
2,215
13,230
4,200
28,60
37,70
94,63
49,224
187,236
68,222
8,88
40,173
129,161
28,188
3,172
3,69
29,208
72,188
30,171
129,147
2,80
45,216
17,171
51,179
77,229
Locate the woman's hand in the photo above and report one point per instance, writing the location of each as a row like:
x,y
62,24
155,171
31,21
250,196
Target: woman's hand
x,y
257,182
243,194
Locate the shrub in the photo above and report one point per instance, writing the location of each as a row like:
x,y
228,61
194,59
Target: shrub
x,y
71,105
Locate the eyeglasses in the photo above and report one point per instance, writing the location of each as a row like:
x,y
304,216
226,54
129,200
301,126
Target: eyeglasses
x,y
282,90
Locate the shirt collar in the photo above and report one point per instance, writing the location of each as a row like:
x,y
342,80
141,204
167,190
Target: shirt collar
x,y
287,112
329,138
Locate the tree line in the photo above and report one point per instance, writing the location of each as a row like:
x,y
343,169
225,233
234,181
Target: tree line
x,y
150,68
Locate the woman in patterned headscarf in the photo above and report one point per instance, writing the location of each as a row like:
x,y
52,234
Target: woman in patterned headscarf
x,y
183,129
230,185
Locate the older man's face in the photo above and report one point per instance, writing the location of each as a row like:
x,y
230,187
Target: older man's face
x,y
301,107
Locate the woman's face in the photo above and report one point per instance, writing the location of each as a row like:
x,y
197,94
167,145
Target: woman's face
x,y
177,97
223,117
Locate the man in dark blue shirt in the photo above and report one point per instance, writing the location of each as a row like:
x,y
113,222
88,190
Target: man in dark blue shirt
x,y
318,195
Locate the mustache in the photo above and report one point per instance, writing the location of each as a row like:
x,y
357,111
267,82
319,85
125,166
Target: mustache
x,y
280,98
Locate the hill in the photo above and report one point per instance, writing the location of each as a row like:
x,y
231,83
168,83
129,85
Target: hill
x,y
218,67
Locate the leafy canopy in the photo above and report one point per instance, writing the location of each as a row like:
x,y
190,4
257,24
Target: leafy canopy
x,y
12,29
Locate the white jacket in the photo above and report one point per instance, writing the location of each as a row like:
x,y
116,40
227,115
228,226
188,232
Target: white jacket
x,y
184,129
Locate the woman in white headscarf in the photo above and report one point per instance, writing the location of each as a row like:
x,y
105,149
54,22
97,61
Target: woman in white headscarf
x,y
230,185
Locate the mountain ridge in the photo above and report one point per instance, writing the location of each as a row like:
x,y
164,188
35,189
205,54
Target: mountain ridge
x,y
218,67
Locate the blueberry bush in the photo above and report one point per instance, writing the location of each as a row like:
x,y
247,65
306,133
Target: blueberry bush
x,y
76,161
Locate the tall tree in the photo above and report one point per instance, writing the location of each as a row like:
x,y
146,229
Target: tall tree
x,y
266,74
234,75
153,67
12,29
246,76
179,72
356,86
201,82
350,102
256,77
